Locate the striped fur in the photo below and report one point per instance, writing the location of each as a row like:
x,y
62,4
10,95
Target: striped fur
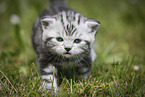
x,y
63,40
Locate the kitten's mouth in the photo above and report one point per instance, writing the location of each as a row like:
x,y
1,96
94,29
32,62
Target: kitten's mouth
x,y
67,53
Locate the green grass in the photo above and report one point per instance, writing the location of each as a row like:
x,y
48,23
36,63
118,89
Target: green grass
x,y
119,46
116,79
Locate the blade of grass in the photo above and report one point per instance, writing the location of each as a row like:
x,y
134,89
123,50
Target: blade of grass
x,y
8,81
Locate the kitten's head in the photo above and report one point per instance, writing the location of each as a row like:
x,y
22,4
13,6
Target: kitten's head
x,y
69,34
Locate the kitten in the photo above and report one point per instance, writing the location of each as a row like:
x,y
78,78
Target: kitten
x,y
63,40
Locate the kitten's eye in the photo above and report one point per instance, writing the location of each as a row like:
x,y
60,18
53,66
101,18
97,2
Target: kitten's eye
x,y
77,40
59,39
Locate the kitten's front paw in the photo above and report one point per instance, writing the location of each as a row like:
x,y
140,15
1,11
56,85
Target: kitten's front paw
x,y
48,86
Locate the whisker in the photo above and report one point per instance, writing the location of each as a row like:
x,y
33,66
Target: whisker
x,y
82,58
46,60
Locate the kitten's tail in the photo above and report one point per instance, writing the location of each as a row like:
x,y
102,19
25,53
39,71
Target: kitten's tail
x,y
57,2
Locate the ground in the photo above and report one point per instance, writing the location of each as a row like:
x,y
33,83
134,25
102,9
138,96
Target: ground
x,y
119,69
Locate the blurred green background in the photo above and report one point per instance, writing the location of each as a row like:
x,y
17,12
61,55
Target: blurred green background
x,y
119,67
121,34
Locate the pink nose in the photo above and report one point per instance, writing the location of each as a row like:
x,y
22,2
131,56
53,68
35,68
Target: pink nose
x,y
67,49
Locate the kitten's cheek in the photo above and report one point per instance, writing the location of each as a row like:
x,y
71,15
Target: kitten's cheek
x,y
77,51
57,50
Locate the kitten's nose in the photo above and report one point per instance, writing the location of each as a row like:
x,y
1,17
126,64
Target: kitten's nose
x,y
67,49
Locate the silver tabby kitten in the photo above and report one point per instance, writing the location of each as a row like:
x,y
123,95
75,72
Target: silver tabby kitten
x,y
63,40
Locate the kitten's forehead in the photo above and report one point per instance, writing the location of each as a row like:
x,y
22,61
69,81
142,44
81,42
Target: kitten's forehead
x,y
66,24
73,23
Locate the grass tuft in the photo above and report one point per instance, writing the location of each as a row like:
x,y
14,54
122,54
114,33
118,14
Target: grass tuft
x,y
119,69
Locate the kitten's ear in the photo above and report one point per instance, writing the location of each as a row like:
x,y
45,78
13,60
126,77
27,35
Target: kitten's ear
x,y
94,25
46,22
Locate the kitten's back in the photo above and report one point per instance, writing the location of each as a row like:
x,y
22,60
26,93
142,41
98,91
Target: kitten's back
x,y
55,7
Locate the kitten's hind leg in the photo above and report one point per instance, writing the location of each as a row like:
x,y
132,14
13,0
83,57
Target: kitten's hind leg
x,y
49,80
